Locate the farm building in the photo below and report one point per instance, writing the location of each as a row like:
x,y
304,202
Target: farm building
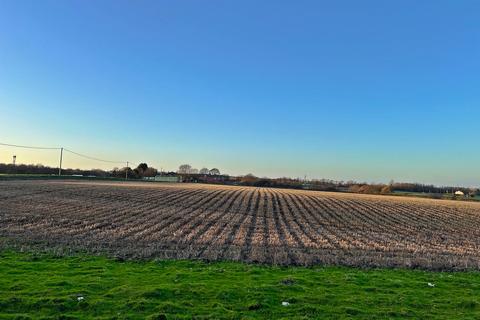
x,y
163,178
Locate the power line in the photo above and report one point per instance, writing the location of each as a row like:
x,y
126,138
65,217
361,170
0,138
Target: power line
x,y
64,149
92,158
27,147
61,156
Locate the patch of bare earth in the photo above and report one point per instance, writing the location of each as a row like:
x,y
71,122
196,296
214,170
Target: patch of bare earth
x,y
291,227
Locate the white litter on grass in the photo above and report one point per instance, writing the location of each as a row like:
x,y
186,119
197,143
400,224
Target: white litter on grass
x,y
80,298
431,284
285,303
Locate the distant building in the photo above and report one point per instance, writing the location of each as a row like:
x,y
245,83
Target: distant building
x,y
214,178
204,178
459,193
164,178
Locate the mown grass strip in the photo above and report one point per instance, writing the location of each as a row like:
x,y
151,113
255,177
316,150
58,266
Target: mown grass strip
x,y
82,286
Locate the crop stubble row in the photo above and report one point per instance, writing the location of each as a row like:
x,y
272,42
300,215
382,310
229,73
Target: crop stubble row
x,y
147,220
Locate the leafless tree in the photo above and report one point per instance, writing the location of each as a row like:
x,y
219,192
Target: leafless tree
x,y
185,168
214,172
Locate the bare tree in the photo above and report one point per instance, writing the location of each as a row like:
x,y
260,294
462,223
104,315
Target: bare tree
x,y
214,172
185,168
204,171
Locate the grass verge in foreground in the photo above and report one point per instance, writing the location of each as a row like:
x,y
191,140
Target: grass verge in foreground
x,y
82,286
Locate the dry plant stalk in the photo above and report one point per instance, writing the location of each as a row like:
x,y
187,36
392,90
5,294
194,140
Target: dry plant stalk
x,y
274,226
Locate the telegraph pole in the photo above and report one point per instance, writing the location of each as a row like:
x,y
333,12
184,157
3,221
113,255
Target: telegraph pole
x,y
60,166
126,172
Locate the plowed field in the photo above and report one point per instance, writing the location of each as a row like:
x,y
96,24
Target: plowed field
x,y
274,226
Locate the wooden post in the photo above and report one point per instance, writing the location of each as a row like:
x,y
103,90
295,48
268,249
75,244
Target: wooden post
x,y
60,166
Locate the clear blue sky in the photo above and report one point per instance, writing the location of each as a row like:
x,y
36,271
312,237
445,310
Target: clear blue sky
x,y
365,90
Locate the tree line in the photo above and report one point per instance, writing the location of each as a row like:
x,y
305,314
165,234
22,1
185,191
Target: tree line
x,y
205,175
188,169
141,171
354,187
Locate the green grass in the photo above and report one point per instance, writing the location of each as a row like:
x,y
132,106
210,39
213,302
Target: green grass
x,y
42,285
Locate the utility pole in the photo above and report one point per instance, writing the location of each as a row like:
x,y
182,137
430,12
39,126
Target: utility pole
x,y
60,166
126,172
14,160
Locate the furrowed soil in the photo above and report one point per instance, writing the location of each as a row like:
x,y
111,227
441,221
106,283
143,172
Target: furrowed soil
x,y
259,225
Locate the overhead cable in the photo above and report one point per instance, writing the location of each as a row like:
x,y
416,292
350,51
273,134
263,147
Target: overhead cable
x,y
92,158
27,147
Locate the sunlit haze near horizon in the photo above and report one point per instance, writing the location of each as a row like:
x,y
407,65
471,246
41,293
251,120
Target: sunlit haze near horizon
x,y
346,90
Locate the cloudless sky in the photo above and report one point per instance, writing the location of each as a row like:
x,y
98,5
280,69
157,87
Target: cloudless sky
x,y
364,90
